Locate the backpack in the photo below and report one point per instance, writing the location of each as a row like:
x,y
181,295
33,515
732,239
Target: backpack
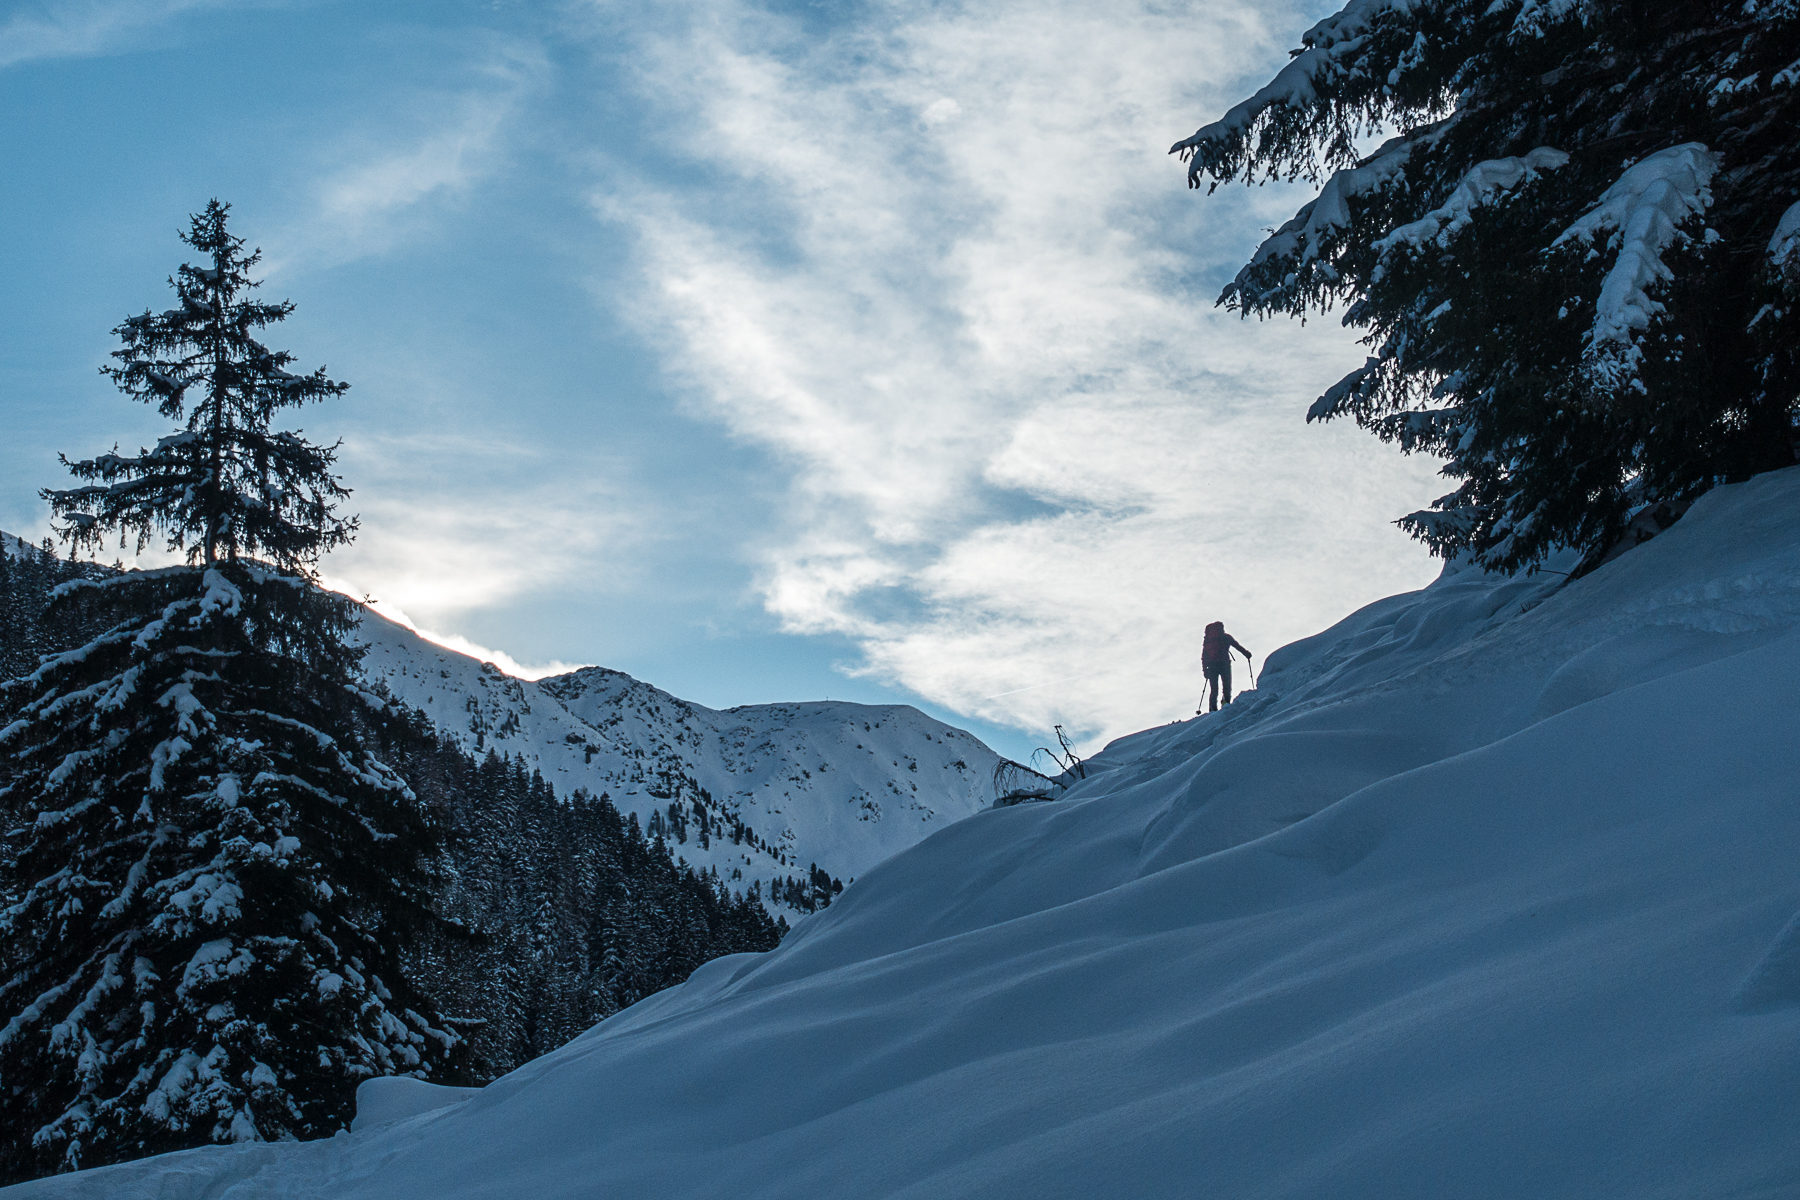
x,y
1215,648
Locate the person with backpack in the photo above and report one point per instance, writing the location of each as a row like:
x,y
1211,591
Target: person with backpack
x,y
1215,661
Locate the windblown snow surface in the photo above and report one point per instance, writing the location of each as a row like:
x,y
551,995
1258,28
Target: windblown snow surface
x,y
830,783
1489,891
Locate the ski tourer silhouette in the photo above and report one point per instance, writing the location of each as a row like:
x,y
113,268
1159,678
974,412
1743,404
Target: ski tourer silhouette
x,y
1215,661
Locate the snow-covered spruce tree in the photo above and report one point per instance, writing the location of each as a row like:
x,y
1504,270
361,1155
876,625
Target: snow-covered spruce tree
x,y
1578,260
210,873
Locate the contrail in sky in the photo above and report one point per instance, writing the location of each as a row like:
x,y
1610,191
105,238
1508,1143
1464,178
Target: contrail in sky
x,y
1034,687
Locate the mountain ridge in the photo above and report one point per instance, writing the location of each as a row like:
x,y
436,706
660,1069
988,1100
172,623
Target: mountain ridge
x,y
792,785
765,794
1487,891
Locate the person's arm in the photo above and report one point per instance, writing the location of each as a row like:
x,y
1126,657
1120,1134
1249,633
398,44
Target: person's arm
x,y
1240,647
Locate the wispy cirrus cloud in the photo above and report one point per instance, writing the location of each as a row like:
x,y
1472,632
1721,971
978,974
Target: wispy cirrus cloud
x,y
949,278
82,28
394,172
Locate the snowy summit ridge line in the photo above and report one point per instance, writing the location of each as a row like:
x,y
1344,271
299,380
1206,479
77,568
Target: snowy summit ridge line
x,y
830,783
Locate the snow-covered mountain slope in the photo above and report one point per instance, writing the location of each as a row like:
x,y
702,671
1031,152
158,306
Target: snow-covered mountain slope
x,y
1493,890
839,785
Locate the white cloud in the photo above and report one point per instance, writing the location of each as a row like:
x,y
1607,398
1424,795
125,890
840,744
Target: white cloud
x,y
380,182
447,159
950,281
941,110
78,30
453,525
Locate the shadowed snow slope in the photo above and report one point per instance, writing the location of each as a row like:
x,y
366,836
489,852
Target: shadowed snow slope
x,y
1489,891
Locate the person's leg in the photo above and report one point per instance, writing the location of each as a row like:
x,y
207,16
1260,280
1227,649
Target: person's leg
x,y
1212,691
1225,680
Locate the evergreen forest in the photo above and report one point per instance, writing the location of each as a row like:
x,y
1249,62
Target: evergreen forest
x,y
235,883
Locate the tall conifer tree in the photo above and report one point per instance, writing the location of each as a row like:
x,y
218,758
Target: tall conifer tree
x,y
1578,261
209,872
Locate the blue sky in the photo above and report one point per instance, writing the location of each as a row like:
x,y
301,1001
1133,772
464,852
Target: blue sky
x,y
764,351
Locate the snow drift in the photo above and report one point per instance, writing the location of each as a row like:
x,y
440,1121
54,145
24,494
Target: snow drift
x,y
1491,890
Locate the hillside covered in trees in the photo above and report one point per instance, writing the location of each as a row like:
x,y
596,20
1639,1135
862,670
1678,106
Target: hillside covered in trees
x,y
236,881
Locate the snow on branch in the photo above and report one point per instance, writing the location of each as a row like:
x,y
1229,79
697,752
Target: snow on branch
x,y
1339,396
1784,247
1297,257
1329,214
1332,48
1481,184
1444,527
1642,211
1364,60
1535,16
34,1012
1294,87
